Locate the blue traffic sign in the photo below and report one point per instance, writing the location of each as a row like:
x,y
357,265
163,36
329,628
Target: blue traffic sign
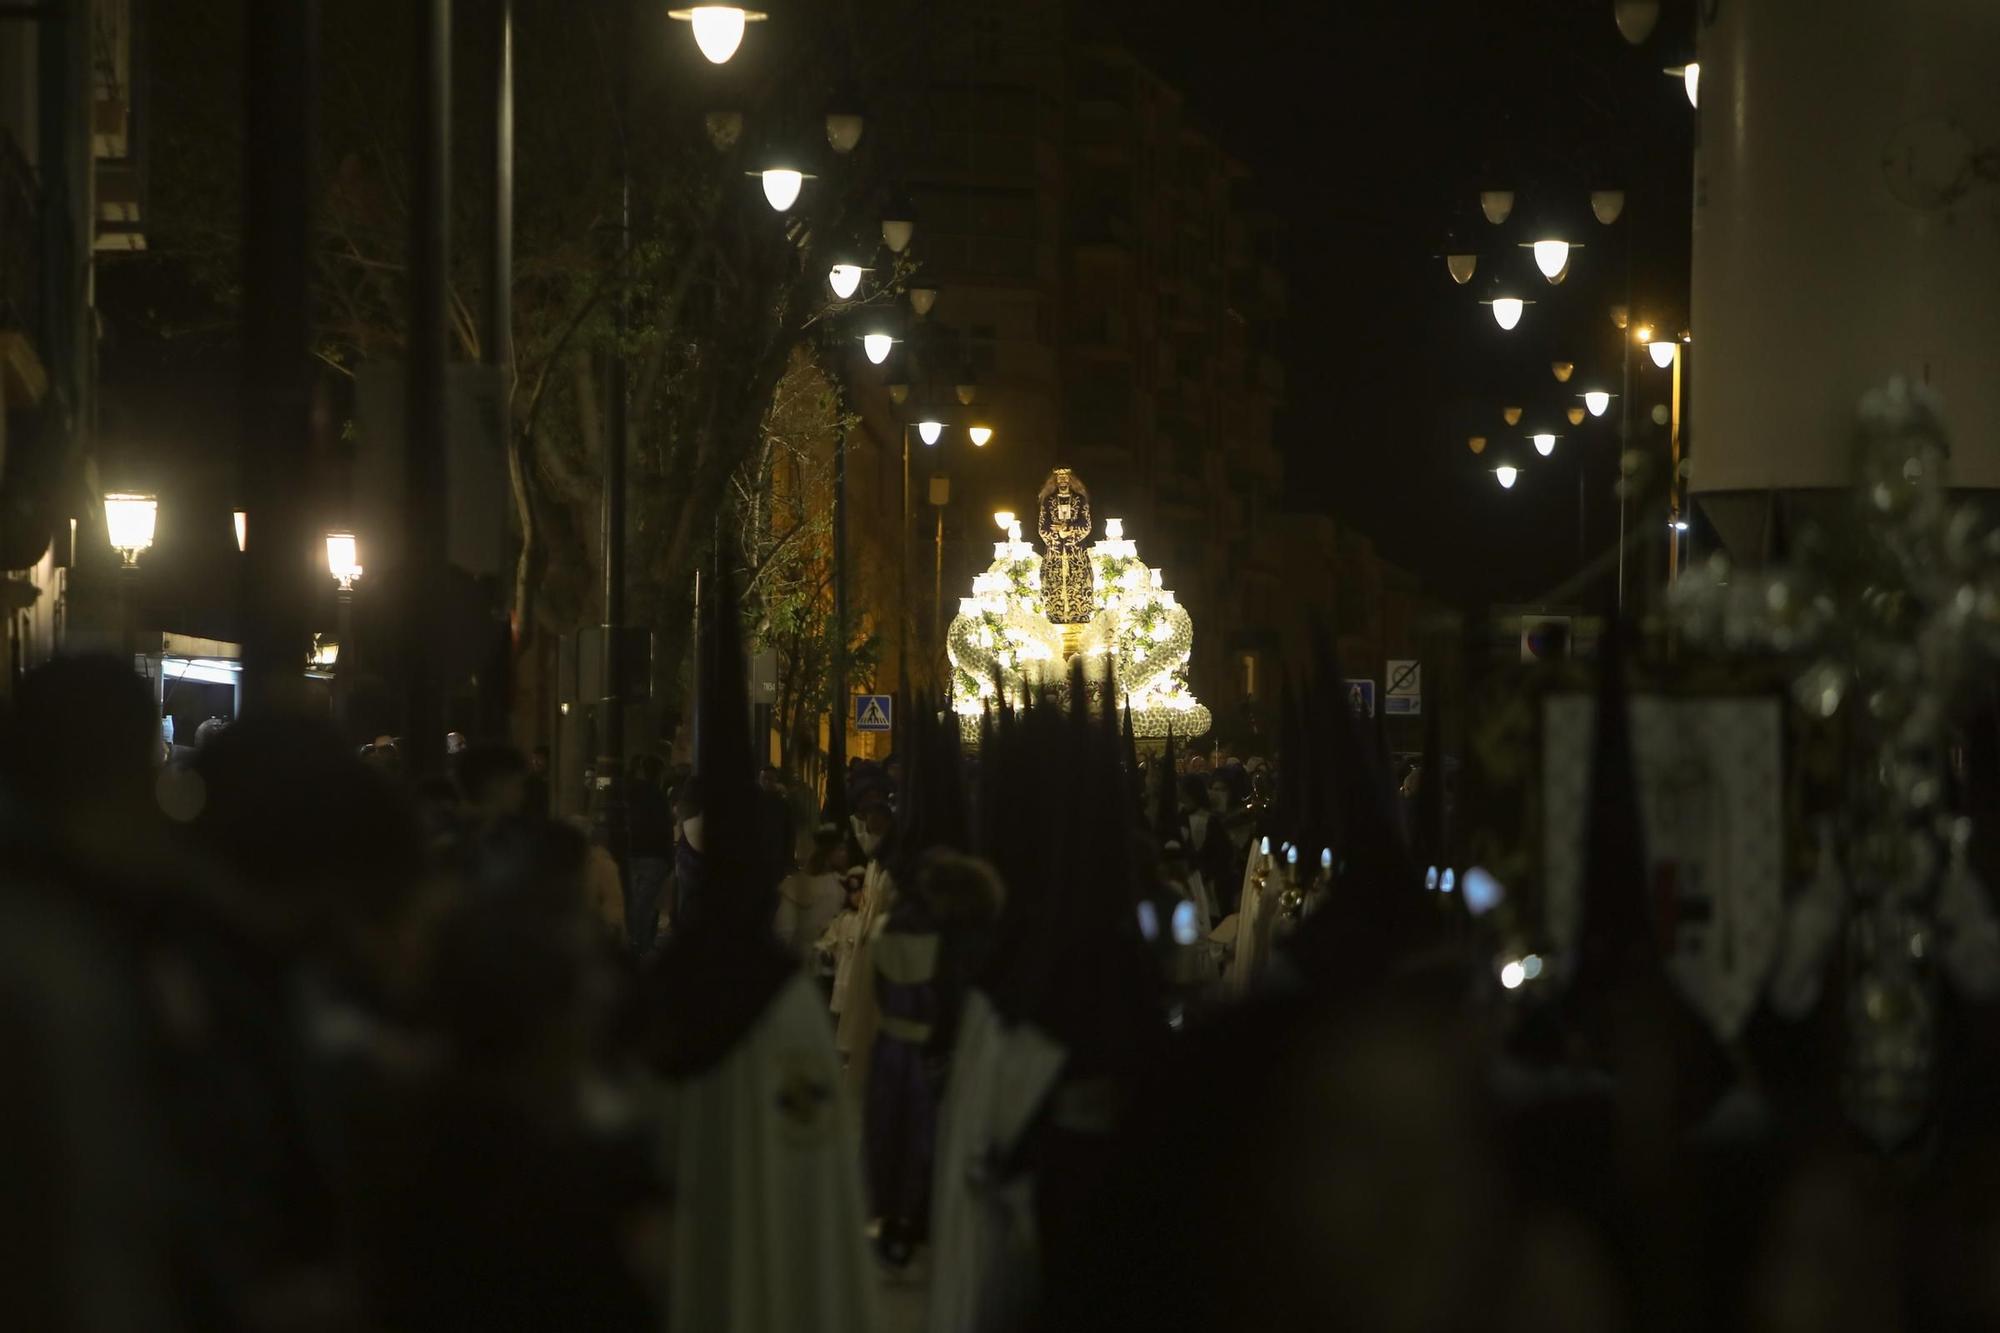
x,y
872,712
1361,697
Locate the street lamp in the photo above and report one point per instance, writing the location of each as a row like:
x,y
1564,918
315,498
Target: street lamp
x,y
1662,351
1635,18
845,279
1550,257
129,518
897,228
877,345
1506,474
242,531
1461,267
922,299
718,29
1606,205
979,435
1496,205
843,130
343,561
1597,400
930,431
1507,310
1003,519
1690,77
1545,442
1562,370
782,186
1511,415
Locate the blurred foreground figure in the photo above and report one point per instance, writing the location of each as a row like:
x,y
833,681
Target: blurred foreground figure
x,y
759,1143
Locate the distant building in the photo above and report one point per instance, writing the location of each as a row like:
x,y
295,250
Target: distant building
x,y
1115,299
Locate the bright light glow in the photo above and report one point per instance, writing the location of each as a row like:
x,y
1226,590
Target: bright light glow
x,y
1507,311
1513,974
1678,525
1003,519
877,346
1506,475
1691,80
130,520
980,435
1550,256
343,559
781,186
718,29
1149,920
1461,267
1483,893
1662,352
845,279
1447,881
1531,966
1431,879
1114,529
1545,443
929,431
242,530
896,233
1598,401
1187,926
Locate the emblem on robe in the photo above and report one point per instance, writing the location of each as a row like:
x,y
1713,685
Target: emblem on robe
x,y
1067,591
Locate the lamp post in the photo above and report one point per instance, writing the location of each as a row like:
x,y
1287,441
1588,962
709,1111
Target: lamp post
x,y
130,519
1667,352
343,562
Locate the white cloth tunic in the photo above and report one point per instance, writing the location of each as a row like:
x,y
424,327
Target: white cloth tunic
x,y
769,1213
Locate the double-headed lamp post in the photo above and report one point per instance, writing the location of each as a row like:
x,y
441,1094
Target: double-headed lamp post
x,y
130,519
1666,351
343,562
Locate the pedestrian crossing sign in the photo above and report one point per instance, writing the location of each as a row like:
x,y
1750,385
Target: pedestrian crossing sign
x,y
872,712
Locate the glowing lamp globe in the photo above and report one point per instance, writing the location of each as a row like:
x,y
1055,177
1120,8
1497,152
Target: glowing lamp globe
x,y
1562,370
1606,205
1461,267
1691,80
1545,443
843,131
929,431
1496,205
845,279
1635,19
1575,415
1506,477
1114,529
130,519
896,233
979,435
242,530
1003,519
1477,444
718,29
1598,401
781,187
1507,311
342,558
1662,352
877,346
1511,415
1550,257
922,299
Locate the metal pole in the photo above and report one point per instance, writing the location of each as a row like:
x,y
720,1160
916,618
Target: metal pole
x,y
496,682
1674,475
937,599
1624,443
611,724
424,476
280,93
835,807
904,624
343,662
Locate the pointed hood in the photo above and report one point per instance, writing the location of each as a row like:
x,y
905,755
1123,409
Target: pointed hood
x,y
720,971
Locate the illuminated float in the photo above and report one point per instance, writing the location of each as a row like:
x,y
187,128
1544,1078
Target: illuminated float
x,y
1032,612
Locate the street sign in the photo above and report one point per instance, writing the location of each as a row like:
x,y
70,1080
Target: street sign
x,y
1405,696
1361,697
872,712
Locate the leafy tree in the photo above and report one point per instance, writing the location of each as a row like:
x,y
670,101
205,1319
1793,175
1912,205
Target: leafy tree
x,y
721,290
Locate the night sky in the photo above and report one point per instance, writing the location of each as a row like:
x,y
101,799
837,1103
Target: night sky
x,y
1371,128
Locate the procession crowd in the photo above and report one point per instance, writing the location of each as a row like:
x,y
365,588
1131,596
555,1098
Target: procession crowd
x,y
296,1041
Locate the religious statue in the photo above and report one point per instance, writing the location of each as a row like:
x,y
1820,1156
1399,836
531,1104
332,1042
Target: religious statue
x,y
1067,593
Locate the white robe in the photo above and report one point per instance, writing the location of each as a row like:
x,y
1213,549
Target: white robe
x,y
769,1214
1255,917
985,1267
860,1013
